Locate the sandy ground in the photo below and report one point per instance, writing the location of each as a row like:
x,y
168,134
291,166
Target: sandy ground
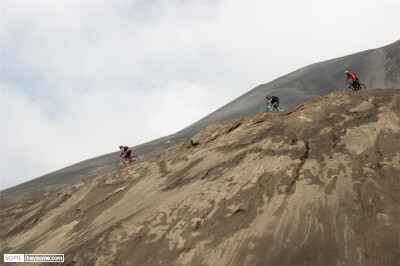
x,y
315,185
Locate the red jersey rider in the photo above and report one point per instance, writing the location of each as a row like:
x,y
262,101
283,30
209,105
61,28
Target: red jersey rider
x,y
355,83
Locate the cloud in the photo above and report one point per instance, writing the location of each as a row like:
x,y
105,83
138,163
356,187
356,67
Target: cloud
x,y
29,144
87,76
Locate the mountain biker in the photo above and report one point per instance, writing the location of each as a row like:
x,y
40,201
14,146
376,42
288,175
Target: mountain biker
x,y
273,101
125,152
355,83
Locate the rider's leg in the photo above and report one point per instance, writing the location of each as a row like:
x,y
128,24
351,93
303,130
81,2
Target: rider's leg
x,y
128,155
353,84
356,84
125,156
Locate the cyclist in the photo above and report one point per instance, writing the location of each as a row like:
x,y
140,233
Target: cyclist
x,y
355,83
125,152
273,101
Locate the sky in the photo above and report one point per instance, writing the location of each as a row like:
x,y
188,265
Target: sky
x,y
80,78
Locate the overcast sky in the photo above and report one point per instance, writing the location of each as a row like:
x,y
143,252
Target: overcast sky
x,y
79,78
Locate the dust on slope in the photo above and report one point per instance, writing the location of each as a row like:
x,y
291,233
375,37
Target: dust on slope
x,y
318,184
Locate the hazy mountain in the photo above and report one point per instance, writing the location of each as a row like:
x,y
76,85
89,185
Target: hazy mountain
x,y
377,68
316,185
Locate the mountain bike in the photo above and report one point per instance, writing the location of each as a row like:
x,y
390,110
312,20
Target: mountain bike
x,y
123,163
358,87
273,109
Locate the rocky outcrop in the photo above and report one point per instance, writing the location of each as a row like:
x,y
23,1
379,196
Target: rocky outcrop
x,y
315,185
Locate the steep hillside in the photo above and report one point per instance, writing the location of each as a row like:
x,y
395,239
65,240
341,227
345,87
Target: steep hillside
x,y
316,185
376,68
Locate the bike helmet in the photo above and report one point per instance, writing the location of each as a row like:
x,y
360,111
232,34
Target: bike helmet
x,y
268,97
120,147
346,72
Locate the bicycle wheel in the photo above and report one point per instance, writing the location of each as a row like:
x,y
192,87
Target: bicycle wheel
x,y
135,159
363,87
120,164
283,108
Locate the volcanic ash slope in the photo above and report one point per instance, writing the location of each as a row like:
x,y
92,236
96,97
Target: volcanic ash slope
x,y
319,184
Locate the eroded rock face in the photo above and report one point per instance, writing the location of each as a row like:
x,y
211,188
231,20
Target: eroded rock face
x,y
319,184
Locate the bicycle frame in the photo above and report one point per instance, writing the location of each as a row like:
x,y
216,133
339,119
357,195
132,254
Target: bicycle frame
x,y
352,88
130,160
271,108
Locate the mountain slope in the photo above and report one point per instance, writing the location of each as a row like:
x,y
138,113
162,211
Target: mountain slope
x,y
376,68
319,185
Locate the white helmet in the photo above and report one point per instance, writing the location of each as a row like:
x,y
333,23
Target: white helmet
x,y
346,72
